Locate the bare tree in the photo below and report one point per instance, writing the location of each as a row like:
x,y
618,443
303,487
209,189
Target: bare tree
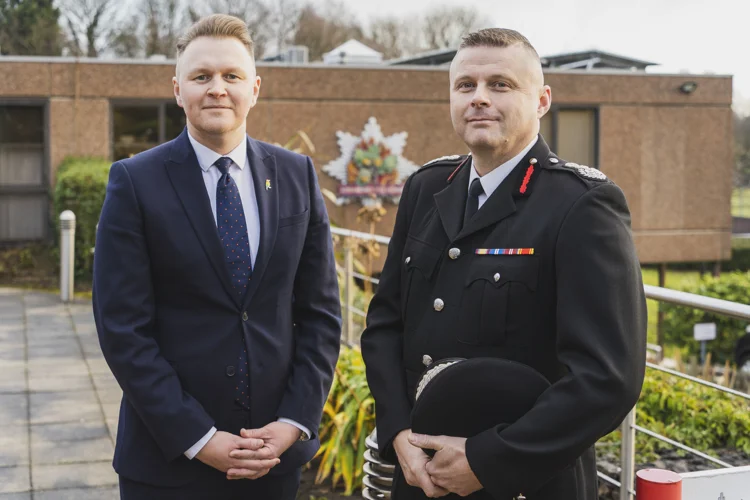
x,y
284,20
255,13
163,22
322,30
444,26
88,23
388,36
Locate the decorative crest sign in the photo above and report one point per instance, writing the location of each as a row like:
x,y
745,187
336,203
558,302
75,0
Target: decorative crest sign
x,y
371,166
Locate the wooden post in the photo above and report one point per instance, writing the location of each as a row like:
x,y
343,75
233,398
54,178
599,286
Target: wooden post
x,y
717,269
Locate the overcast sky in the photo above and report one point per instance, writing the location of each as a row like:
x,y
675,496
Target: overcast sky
x,y
695,35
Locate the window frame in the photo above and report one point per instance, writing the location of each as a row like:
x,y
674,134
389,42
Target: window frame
x,y
44,187
554,112
160,104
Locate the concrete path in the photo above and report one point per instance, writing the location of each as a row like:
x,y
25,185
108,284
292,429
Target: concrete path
x,y
58,402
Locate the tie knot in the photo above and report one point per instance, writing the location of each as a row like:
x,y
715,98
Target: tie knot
x,y
223,164
476,188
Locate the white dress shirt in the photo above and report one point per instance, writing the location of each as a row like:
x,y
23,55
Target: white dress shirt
x,y
240,172
492,180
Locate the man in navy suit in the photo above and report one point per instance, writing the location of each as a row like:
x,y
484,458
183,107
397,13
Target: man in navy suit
x,y
215,293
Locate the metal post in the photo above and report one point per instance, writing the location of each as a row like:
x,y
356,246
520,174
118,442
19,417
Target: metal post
x,y
67,254
660,314
627,456
349,290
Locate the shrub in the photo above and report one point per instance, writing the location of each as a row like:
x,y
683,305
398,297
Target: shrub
x,y
348,418
689,413
679,321
80,187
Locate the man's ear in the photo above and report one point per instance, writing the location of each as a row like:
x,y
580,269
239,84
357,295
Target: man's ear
x,y
176,90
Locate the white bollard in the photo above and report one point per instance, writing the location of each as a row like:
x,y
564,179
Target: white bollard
x,y
67,254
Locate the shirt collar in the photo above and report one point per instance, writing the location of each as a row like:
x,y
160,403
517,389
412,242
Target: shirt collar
x,y
207,156
492,180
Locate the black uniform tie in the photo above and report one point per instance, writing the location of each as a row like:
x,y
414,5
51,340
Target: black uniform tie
x,y
472,203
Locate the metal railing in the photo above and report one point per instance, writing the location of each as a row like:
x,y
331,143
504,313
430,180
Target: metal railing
x,y
629,427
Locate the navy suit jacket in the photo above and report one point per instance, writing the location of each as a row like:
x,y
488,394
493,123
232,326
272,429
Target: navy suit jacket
x,y
170,329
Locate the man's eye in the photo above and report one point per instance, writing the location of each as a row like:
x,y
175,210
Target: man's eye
x,y
232,77
500,85
201,78
465,85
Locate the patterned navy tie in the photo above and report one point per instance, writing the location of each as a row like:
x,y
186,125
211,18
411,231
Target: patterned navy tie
x,y
230,219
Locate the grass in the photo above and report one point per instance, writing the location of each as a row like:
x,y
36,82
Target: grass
x,y
675,280
741,202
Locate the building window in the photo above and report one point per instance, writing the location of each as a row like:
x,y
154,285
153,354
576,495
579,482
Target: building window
x,y
140,126
573,133
23,187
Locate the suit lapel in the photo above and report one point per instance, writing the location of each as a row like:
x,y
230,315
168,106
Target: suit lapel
x,y
263,170
187,180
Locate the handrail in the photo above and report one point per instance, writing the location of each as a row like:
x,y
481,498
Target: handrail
x,y
682,446
360,235
709,304
699,381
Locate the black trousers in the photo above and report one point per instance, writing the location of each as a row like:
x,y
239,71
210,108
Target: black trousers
x,y
217,488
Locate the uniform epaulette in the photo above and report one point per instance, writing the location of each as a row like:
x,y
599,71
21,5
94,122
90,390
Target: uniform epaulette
x,y
584,172
450,160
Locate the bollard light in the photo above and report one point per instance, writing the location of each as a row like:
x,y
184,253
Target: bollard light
x,y
67,254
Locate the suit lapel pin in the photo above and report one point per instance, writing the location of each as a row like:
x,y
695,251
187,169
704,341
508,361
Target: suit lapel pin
x,y
268,184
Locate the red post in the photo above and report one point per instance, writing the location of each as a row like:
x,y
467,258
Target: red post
x,y
658,484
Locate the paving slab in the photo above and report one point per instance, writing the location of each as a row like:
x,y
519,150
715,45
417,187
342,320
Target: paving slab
x,y
105,493
13,410
14,446
59,407
70,431
13,378
82,475
65,452
14,479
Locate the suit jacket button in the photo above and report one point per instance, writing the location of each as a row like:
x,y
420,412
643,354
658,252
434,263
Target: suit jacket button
x,y
244,315
438,304
454,253
230,371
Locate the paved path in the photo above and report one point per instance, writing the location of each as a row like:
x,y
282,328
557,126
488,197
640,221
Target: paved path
x,y
58,402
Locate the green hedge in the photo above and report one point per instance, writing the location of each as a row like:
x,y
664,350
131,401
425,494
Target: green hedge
x,y
80,187
689,413
679,321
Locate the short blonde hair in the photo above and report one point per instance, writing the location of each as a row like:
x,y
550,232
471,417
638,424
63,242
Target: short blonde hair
x,y
497,37
217,25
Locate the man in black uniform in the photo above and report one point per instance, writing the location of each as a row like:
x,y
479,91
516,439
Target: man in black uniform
x,y
512,253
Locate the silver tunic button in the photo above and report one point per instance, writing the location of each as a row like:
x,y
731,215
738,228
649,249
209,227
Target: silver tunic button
x,y
532,161
438,305
426,360
408,259
553,160
454,253
497,277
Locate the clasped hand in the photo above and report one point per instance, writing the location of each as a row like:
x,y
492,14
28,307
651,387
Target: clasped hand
x,y
251,454
447,472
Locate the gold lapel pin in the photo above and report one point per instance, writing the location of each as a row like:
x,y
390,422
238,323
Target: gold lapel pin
x,y
268,184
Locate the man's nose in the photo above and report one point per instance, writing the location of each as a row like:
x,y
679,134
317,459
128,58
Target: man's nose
x,y
217,88
481,97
